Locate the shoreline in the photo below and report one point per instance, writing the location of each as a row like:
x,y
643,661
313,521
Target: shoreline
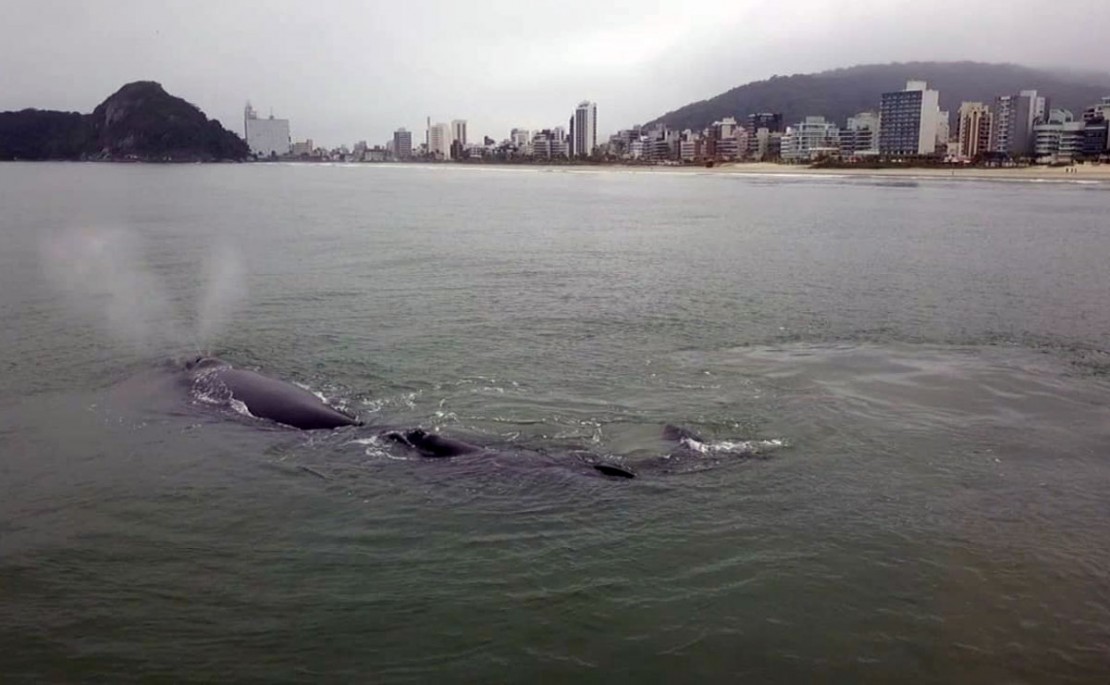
x,y
1078,173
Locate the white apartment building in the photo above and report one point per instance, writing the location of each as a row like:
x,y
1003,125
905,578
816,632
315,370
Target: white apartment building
x,y
266,137
584,129
860,137
809,139
439,141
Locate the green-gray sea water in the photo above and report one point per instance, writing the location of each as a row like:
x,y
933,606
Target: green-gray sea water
x,y
933,355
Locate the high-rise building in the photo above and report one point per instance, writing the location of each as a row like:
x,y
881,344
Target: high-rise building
x,y
520,137
1059,137
458,131
725,140
765,144
266,137
944,130
439,141
1096,130
1014,118
908,120
549,144
584,129
402,144
861,136
771,122
974,130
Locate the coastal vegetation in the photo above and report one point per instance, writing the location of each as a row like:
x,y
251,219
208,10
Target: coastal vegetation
x,y
139,122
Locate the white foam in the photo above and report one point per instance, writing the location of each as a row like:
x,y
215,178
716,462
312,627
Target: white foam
x,y
375,447
732,446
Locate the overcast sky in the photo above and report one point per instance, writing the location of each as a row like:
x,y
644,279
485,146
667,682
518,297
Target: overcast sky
x,y
348,70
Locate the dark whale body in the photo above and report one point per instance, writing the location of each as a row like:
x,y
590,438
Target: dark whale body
x,y
432,444
265,397
290,405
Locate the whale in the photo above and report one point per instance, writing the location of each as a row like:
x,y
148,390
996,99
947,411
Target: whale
x,y
264,397
436,445
284,403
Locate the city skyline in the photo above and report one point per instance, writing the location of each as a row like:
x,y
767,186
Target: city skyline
x,y
386,65
908,123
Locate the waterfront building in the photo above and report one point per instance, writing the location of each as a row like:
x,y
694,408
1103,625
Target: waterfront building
x,y
1064,138
766,145
726,140
1096,139
519,137
304,148
944,131
402,144
973,130
549,144
458,132
771,121
1099,111
439,141
1096,132
583,129
541,146
559,146
691,146
1046,134
266,137
810,139
860,138
1014,118
908,120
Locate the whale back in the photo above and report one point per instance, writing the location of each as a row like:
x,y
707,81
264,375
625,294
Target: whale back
x,y
267,398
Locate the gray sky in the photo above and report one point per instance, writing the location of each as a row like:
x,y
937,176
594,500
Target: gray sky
x,y
348,70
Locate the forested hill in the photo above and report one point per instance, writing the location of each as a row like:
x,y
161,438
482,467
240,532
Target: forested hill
x,y
141,121
841,93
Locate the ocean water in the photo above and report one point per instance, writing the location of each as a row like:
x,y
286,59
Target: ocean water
x,y
922,365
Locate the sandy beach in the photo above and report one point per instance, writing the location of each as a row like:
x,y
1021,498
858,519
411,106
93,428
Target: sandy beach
x,y
1079,172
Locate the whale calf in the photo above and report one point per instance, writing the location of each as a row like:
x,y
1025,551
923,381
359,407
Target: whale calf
x,y
265,397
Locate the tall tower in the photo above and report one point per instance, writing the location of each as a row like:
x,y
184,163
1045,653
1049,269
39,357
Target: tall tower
x,y
974,129
585,128
458,131
908,120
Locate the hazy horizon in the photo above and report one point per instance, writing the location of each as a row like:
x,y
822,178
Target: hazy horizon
x,y
348,71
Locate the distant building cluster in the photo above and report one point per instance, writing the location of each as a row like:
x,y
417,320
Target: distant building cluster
x,y
444,142
907,125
